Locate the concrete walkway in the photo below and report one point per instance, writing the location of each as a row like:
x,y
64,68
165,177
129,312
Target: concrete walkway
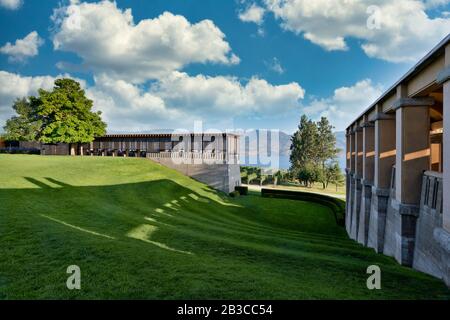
x,y
257,188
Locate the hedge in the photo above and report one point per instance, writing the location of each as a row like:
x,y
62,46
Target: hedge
x,y
336,205
242,190
234,194
15,150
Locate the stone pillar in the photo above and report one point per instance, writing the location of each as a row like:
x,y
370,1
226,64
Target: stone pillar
x,y
358,182
384,159
444,79
412,159
367,180
347,178
352,182
442,235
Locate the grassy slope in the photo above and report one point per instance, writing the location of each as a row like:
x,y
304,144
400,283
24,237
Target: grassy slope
x,y
139,230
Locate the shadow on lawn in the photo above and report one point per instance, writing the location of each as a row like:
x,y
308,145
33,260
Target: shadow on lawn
x,y
177,226
73,206
148,211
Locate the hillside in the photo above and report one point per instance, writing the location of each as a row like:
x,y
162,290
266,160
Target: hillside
x,y
139,230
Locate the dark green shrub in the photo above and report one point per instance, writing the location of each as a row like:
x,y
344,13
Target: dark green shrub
x,y
15,150
234,194
242,190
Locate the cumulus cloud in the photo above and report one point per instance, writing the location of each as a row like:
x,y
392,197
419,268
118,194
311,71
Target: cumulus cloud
x,y
396,31
173,101
126,106
275,66
24,48
14,86
11,4
110,42
345,104
253,13
227,96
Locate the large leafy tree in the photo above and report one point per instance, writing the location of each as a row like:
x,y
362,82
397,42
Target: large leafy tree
x,y
304,151
326,145
62,115
304,143
26,124
313,148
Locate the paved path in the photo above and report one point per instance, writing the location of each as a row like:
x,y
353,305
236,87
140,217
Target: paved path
x,y
257,188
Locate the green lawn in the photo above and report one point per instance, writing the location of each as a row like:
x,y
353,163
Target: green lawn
x,y
139,230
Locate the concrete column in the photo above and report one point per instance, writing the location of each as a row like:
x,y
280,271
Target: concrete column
x,y
352,182
358,182
412,159
347,177
444,79
367,180
384,159
442,235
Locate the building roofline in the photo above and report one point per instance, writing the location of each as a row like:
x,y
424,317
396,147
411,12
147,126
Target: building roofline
x,y
436,51
153,135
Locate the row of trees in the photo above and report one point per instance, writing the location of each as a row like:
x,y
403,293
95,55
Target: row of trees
x,y
62,115
314,153
256,175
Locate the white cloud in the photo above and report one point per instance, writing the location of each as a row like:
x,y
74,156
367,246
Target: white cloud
x,y
345,104
126,106
24,48
109,41
275,66
174,101
215,97
14,86
405,30
11,4
253,13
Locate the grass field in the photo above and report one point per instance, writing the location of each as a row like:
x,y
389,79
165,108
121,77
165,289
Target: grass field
x,y
139,230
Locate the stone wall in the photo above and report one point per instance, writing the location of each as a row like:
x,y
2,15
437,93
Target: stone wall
x,y
364,215
431,253
60,149
413,235
220,176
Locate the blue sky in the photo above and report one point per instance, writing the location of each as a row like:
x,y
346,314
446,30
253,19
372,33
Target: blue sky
x,y
248,64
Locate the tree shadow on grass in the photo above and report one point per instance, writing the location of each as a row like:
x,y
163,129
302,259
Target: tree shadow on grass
x,y
172,220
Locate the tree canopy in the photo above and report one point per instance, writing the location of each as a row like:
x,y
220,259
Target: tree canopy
x,y
313,152
62,115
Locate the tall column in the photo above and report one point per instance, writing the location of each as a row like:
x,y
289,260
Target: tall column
x,y
412,159
384,159
443,234
352,181
367,180
347,178
358,181
444,79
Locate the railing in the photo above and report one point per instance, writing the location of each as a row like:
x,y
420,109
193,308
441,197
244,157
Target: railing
x,y
231,158
432,197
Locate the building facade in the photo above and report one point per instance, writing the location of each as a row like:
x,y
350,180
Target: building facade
x,y
398,169
211,158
